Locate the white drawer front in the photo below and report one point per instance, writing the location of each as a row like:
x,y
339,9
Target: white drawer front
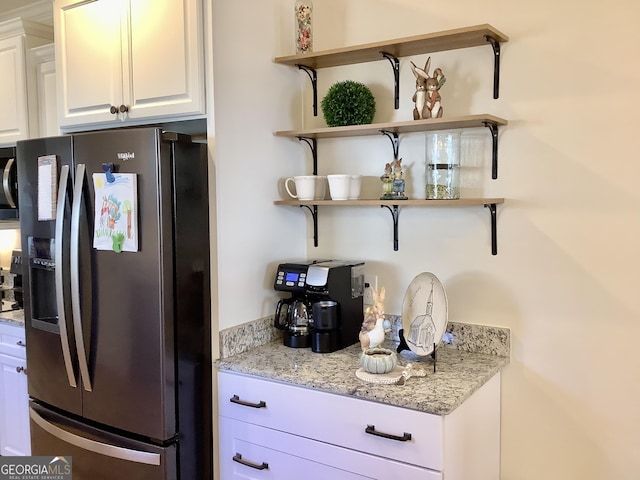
x,y
335,419
12,340
270,454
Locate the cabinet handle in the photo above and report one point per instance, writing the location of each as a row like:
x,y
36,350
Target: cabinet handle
x,y
21,370
236,399
20,343
238,458
113,109
124,109
371,430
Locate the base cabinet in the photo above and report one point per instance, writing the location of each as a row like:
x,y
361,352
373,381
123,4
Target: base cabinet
x,y
249,451
274,430
15,439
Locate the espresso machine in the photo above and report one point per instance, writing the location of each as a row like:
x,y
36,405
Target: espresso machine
x,y
325,309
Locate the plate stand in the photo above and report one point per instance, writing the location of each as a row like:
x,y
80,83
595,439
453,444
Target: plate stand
x,y
403,346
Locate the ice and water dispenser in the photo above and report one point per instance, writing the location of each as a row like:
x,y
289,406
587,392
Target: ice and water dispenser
x,y
42,271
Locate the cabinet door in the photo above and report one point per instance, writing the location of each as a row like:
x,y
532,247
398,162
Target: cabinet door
x,y
45,72
14,123
88,60
14,408
164,75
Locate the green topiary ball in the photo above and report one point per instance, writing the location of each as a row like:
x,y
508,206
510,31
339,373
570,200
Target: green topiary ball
x,y
348,103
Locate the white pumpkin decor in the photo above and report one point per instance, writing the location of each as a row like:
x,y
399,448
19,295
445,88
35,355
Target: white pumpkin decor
x,y
378,360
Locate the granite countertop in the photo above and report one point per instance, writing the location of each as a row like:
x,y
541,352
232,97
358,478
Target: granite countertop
x,y
13,317
459,373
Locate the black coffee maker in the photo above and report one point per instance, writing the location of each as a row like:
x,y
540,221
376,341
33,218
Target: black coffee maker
x,y
11,288
16,271
332,294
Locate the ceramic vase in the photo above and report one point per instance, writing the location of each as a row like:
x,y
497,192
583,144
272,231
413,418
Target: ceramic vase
x,y
303,12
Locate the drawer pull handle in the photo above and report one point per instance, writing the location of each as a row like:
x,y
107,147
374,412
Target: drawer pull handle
x,y
371,430
20,343
238,458
236,399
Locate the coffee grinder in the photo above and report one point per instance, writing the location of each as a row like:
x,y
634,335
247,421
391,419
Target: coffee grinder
x,y
333,292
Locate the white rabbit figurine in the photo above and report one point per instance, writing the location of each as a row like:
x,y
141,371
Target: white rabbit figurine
x,y
427,97
374,325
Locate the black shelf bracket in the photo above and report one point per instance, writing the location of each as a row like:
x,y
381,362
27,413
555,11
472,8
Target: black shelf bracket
x,y
313,76
393,136
496,65
394,214
494,228
395,65
313,145
494,148
314,214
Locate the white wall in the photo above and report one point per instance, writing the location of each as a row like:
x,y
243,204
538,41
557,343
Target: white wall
x,y
564,279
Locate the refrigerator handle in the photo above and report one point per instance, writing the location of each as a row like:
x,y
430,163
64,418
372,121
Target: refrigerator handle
x,y
62,318
75,277
100,448
5,183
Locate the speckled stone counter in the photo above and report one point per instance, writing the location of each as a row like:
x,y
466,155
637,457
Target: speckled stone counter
x,y
464,363
14,317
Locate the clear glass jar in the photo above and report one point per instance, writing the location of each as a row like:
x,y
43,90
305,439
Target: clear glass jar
x,y
303,13
442,166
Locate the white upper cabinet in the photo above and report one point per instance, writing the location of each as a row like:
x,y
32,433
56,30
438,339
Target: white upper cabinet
x,y
18,108
128,60
44,73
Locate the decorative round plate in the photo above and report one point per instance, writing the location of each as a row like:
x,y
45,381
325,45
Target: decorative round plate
x,y
424,313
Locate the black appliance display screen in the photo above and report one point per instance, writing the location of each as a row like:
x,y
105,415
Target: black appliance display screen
x,y
291,277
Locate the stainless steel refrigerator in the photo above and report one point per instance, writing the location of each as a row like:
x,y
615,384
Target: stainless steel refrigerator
x,y
118,341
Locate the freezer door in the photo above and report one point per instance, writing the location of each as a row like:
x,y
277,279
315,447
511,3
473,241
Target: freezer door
x,y
125,335
98,455
53,374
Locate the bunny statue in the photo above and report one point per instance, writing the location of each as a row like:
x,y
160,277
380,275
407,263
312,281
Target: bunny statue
x,y
374,325
427,96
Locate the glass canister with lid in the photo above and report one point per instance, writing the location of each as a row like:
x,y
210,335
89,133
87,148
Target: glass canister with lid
x,y
442,166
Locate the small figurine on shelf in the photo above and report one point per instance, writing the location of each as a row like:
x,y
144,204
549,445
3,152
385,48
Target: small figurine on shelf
x,y
387,183
393,181
427,96
374,325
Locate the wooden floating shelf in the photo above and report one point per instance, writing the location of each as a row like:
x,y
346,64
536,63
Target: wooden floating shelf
x,y
462,202
409,126
394,207
400,47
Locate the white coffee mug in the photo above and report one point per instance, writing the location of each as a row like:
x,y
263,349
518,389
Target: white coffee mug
x,y
339,186
354,187
305,187
321,187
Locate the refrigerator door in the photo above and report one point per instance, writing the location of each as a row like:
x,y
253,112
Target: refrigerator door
x,y
99,455
125,335
53,374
